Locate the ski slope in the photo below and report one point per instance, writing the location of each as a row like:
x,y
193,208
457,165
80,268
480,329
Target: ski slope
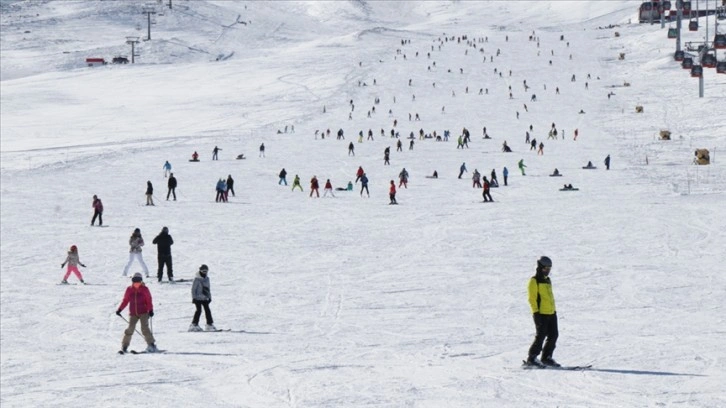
x,y
347,301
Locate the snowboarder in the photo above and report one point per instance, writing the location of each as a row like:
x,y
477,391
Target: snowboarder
x,y
230,186
494,182
73,261
607,163
542,303
149,193
163,243
171,185
462,169
136,241
202,297
97,206
282,175
314,186
521,166
392,193
296,183
167,168
215,151
141,308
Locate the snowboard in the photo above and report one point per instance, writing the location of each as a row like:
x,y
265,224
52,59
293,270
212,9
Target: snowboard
x,y
569,189
555,175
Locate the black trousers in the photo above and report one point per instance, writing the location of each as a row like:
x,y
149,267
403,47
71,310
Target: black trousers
x,y
546,326
207,313
172,191
164,260
100,218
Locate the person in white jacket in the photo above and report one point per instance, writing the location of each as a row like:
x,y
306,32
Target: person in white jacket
x,y
202,297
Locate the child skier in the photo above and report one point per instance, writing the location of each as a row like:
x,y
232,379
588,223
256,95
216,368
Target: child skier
x,y
202,297
141,308
73,262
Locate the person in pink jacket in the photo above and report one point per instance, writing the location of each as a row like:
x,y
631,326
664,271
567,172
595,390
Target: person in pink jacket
x,y
73,261
141,308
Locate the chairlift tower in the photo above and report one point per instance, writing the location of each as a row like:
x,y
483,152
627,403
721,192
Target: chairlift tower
x,y
148,10
133,41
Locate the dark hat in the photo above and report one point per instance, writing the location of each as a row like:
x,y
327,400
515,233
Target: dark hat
x,y
165,230
137,277
137,231
204,268
544,262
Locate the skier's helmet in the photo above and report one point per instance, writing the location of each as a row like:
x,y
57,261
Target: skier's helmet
x,y
544,262
204,268
137,277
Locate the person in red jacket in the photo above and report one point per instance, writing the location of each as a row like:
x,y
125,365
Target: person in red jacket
x,y
392,193
328,188
359,174
138,298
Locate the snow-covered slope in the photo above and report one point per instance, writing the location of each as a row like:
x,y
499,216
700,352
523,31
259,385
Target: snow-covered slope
x,y
348,301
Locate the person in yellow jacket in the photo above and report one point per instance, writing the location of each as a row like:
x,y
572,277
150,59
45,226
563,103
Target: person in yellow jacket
x,y
542,303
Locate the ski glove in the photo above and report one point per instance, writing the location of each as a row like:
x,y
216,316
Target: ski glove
x,y
63,265
118,313
83,265
151,313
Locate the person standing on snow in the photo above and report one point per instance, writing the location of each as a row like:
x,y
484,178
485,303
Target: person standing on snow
x,y
542,303
167,168
505,174
328,189
97,206
364,185
314,186
359,174
607,163
392,193
163,243
521,166
141,308
485,193
136,241
462,169
403,177
296,183
202,297
215,152
230,186
351,149
282,175
262,150
171,185
149,193
475,179
73,261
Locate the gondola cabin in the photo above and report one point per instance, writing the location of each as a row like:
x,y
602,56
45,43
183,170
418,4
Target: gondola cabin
x,y
672,33
687,63
721,67
649,11
686,6
709,61
719,41
696,71
679,55
693,26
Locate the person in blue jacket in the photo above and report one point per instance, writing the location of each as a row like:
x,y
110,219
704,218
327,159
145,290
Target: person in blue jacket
x,y
364,185
505,173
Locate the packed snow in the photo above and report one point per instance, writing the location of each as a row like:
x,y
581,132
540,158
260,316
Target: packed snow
x,y
349,301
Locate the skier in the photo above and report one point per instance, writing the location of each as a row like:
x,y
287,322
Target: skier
x,y
97,206
171,185
387,157
136,241
359,173
351,149
296,183
462,169
282,175
542,303
403,177
215,151
505,174
262,150
521,167
494,182
399,146
167,168
163,243
392,193
475,179
314,186
410,145
541,149
485,192
141,308
328,189
73,261
149,193
230,186
607,163
364,185
202,297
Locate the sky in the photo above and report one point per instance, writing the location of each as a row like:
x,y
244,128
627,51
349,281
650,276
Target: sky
x,y
348,301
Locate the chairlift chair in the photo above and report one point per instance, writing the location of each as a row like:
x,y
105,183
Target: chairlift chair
x,y
687,63
721,67
719,41
693,26
672,33
679,55
696,71
709,61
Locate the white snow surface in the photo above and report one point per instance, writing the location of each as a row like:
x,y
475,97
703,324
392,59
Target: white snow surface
x,y
347,301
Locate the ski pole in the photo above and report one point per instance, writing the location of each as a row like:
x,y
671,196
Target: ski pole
x,y
130,323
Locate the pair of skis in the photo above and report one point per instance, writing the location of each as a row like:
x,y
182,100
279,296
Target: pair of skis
x,y
530,366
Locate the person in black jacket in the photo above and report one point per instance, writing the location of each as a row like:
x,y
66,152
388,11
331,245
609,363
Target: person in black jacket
x,y
230,185
149,193
163,243
172,187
